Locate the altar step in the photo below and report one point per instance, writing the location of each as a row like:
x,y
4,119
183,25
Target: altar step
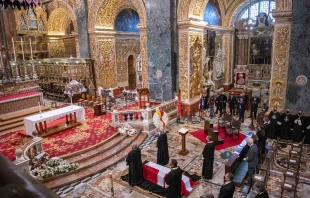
x,y
96,159
16,119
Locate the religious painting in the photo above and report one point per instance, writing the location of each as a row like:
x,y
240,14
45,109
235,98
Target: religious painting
x,y
127,21
211,41
212,13
240,80
260,50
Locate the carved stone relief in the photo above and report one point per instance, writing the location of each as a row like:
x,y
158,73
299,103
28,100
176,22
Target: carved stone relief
x,y
106,61
183,64
280,66
143,44
125,48
55,50
195,64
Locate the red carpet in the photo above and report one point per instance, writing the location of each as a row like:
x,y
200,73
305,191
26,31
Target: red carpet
x,y
95,130
19,95
228,142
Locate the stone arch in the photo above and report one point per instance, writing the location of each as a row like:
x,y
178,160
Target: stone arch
x,y
60,12
122,7
195,9
231,11
104,15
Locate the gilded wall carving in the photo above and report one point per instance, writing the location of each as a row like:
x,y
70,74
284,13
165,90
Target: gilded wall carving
x,y
57,22
106,12
195,64
183,64
226,56
124,48
55,50
197,7
106,61
284,4
69,14
280,66
143,44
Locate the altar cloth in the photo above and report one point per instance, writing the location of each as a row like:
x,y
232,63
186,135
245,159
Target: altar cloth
x,y
157,174
30,121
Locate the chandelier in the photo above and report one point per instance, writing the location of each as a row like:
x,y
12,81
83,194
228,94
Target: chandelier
x,y
19,4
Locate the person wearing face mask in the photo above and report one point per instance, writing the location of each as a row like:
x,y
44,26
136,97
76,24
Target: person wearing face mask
x,y
261,190
298,127
228,188
274,117
286,125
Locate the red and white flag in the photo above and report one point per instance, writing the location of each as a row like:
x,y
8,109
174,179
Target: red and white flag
x,y
156,174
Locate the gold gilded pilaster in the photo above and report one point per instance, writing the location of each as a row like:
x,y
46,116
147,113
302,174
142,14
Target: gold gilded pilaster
x,y
143,51
183,64
228,56
195,63
281,48
106,62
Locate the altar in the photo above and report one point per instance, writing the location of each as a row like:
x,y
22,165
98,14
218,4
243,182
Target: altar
x,y
19,101
39,121
157,174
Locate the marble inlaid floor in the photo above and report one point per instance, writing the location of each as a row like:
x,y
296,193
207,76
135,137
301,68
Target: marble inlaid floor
x,y
101,185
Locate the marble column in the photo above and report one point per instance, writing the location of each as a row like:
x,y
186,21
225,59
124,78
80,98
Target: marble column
x,y
297,93
82,22
280,53
161,70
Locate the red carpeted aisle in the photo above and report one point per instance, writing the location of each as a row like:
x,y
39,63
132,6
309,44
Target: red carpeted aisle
x,y
95,130
228,142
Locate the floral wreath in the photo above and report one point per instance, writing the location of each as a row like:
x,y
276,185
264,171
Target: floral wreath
x,y
160,118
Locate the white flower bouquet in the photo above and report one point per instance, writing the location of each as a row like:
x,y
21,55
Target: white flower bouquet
x,y
126,129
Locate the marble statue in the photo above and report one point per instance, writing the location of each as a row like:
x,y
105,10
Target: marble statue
x,y
138,63
218,64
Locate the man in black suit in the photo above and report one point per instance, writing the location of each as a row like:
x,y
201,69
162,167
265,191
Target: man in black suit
x,y
173,180
241,109
252,159
261,191
208,159
254,106
228,188
232,103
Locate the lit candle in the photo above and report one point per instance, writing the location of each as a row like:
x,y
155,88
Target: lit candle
x,y
14,49
21,41
31,49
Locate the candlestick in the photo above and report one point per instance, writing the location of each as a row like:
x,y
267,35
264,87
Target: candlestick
x,y
14,49
112,188
30,49
21,41
40,109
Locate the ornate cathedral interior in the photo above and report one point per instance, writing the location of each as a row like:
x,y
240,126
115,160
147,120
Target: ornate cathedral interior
x,y
83,83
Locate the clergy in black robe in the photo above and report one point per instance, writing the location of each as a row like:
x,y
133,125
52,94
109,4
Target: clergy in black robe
x,y
298,127
135,165
232,103
307,130
208,159
173,180
286,125
162,151
274,117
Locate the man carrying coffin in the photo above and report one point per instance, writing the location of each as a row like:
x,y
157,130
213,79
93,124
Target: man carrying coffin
x,y
174,180
286,125
298,127
208,158
162,145
274,117
135,165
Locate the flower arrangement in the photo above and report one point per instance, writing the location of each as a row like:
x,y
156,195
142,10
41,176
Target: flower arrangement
x,y
47,167
126,129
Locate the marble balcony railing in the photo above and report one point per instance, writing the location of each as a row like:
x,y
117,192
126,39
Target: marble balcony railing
x,y
144,117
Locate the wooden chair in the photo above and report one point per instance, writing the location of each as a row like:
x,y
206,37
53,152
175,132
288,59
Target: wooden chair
x,y
234,129
80,101
85,102
225,121
294,161
289,187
